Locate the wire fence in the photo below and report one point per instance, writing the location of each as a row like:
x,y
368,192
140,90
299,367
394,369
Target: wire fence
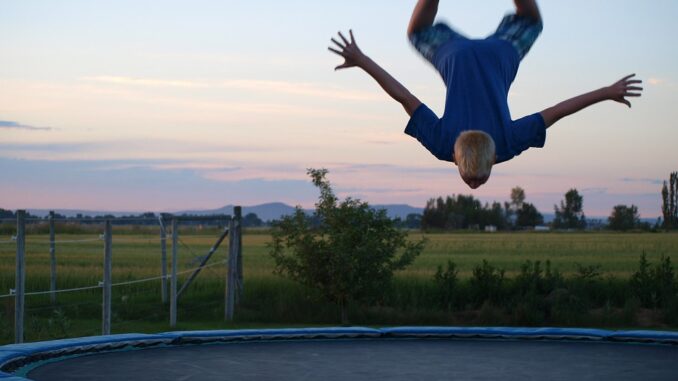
x,y
58,279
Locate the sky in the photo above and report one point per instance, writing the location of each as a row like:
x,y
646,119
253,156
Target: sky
x,y
137,105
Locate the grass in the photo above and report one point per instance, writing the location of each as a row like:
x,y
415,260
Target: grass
x,y
272,301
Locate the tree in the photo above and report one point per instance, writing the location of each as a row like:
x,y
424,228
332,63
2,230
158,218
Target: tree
x,y
570,214
517,198
670,202
461,212
624,218
350,256
251,220
412,221
528,216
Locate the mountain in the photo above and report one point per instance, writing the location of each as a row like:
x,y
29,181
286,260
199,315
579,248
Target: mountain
x,y
266,212
42,213
399,210
276,210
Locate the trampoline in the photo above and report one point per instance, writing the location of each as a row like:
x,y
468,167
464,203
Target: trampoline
x,y
351,353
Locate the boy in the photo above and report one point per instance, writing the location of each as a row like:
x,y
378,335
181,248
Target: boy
x,y
476,130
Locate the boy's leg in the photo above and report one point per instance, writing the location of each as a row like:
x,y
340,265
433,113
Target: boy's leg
x,y
423,15
424,36
522,28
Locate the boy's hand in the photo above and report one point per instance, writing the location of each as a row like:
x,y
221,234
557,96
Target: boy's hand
x,y
349,50
624,88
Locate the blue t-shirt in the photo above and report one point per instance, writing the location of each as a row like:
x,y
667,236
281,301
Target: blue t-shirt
x,y
478,75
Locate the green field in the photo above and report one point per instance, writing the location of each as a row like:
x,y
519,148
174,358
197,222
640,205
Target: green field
x,y
270,300
138,256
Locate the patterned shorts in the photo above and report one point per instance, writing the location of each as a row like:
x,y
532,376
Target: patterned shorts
x,y
521,32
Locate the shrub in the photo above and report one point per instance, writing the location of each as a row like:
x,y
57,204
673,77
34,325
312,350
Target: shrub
x,y
447,285
487,284
641,282
654,287
665,282
349,256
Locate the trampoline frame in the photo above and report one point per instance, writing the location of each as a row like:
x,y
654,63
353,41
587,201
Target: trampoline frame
x,y
16,359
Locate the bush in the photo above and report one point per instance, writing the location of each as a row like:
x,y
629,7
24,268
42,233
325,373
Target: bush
x,y
654,287
351,254
447,285
530,291
487,284
641,283
665,282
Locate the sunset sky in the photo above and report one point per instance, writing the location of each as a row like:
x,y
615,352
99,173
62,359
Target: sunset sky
x,y
133,105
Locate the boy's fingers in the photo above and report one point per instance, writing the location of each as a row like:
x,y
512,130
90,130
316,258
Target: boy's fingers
x,y
634,88
338,44
335,51
343,38
631,94
629,76
350,32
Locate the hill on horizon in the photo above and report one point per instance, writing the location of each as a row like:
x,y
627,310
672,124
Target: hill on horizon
x,y
266,212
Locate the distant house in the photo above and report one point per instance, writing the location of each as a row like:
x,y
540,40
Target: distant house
x,y
490,228
542,228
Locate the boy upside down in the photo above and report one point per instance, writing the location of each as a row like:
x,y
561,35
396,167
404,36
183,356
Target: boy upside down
x,y
476,130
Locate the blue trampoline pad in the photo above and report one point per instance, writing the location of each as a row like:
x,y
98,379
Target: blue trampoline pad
x,y
396,354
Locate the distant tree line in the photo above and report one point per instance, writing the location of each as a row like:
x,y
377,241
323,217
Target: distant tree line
x,y
467,212
142,219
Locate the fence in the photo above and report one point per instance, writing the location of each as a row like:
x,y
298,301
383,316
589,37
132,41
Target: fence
x,y
169,226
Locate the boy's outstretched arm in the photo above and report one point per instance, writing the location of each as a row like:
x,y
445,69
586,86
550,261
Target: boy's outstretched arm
x,y
618,92
353,57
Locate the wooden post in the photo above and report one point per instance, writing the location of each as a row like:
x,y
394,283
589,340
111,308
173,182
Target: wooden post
x,y
204,261
20,281
173,280
52,259
231,274
237,211
106,310
163,260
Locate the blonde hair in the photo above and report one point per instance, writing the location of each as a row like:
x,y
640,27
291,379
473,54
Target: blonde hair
x,y
474,153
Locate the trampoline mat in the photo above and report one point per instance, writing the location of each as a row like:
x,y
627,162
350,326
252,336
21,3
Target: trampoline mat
x,y
365,359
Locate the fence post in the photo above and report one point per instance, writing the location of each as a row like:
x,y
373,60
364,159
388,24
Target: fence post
x,y
52,258
231,273
173,281
163,260
106,312
237,211
20,274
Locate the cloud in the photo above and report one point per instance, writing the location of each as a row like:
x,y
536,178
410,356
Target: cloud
x,y
642,181
111,185
172,150
261,86
660,82
349,168
377,190
16,125
599,190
